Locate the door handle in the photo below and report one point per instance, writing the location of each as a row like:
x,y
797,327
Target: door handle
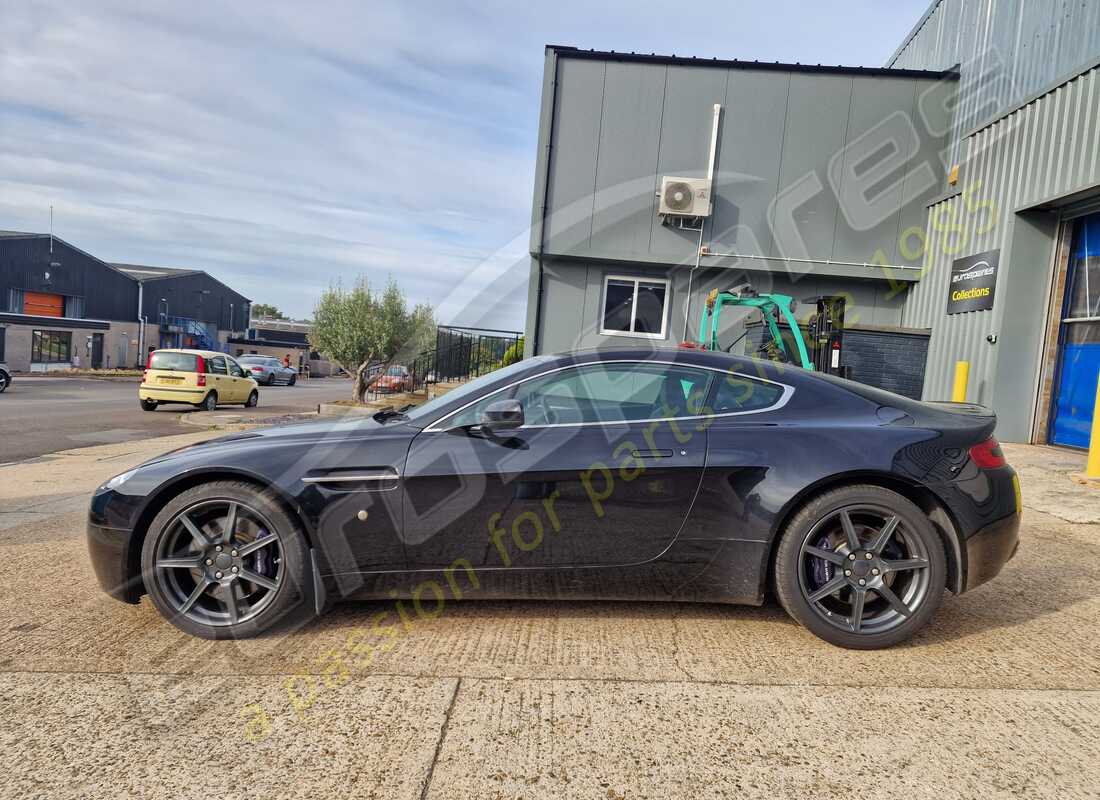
x,y
651,453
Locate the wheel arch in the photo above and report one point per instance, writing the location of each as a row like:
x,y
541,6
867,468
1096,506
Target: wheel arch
x,y
173,488
921,496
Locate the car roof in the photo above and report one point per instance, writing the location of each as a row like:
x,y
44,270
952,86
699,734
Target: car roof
x,y
686,355
787,374
203,353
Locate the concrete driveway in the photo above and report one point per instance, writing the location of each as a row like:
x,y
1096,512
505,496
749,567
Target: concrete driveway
x,y
997,698
43,415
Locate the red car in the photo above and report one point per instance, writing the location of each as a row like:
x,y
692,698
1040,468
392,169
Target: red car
x,y
395,379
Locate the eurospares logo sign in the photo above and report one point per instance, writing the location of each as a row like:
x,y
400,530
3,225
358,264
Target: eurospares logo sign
x,y
973,283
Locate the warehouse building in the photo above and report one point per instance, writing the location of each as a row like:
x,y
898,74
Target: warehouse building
x,y
283,338
188,307
948,198
61,307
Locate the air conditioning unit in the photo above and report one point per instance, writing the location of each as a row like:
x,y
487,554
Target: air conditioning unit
x,y
684,197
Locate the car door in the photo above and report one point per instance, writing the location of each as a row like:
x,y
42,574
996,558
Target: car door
x,y
242,386
217,373
603,472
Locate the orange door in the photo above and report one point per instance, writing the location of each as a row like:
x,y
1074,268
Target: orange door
x,y
43,305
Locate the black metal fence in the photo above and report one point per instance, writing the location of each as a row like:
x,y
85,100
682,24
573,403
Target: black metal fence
x,y
459,354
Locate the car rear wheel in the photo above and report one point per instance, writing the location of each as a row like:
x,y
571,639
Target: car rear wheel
x,y
225,560
861,567
253,399
270,379
210,402
4,381
148,405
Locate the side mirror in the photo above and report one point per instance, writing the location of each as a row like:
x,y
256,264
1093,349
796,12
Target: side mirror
x,y
503,415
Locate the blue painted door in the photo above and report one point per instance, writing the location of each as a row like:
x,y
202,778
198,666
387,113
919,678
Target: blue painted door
x,y
1079,340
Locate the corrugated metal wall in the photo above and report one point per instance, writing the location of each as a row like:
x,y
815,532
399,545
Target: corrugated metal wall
x,y
1009,50
619,125
25,264
1048,149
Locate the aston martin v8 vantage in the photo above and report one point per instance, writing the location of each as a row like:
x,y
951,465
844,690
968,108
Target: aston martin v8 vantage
x,y
668,474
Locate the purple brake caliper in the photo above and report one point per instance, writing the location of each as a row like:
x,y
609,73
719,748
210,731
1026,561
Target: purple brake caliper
x,y
263,565
822,569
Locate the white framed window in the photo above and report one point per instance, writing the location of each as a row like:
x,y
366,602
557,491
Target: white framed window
x,y
634,306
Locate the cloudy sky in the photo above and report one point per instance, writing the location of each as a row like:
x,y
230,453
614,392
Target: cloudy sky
x,y
286,146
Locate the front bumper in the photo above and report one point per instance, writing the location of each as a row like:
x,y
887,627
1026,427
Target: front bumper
x,y
990,548
110,552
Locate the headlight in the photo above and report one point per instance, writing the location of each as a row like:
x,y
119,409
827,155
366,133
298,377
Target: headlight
x,y
118,480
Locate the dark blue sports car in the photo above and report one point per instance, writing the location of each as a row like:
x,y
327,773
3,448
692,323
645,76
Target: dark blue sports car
x,y
623,474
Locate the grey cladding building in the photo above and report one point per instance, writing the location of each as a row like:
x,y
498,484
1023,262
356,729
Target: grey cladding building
x,y
946,197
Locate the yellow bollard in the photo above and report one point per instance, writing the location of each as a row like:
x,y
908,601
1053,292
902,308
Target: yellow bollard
x,y
962,377
1092,467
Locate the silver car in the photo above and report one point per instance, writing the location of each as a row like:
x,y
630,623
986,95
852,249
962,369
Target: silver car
x,y
268,371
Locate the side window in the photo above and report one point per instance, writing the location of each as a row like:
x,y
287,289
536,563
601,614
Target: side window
x,y
235,369
739,393
603,393
217,365
627,392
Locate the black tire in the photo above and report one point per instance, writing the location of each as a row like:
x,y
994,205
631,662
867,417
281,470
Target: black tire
x,y
5,381
148,405
270,380
293,380
253,399
854,614
209,403
285,601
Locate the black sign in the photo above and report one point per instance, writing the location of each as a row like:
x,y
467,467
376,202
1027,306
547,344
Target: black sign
x,y
973,283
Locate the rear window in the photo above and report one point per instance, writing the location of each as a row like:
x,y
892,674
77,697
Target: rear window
x,y
176,362
738,393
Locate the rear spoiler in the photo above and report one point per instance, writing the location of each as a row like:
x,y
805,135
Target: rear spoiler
x,y
963,408
980,420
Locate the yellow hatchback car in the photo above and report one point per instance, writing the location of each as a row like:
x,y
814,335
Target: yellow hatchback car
x,y
200,378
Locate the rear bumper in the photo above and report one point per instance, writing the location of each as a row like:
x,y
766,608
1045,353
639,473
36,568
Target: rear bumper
x,y
108,549
164,394
990,548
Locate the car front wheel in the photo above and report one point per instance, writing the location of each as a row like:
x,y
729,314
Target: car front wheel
x,y
861,567
148,405
225,560
253,399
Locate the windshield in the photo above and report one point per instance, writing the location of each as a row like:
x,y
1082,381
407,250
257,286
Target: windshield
x,y
470,391
396,371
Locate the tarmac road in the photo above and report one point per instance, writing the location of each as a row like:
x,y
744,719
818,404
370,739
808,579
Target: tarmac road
x,y
996,698
44,415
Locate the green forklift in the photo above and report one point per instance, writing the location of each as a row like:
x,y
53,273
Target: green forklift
x,y
783,340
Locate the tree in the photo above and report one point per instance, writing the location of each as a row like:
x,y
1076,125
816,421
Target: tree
x,y
422,329
347,330
267,311
513,354
393,318
357,329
